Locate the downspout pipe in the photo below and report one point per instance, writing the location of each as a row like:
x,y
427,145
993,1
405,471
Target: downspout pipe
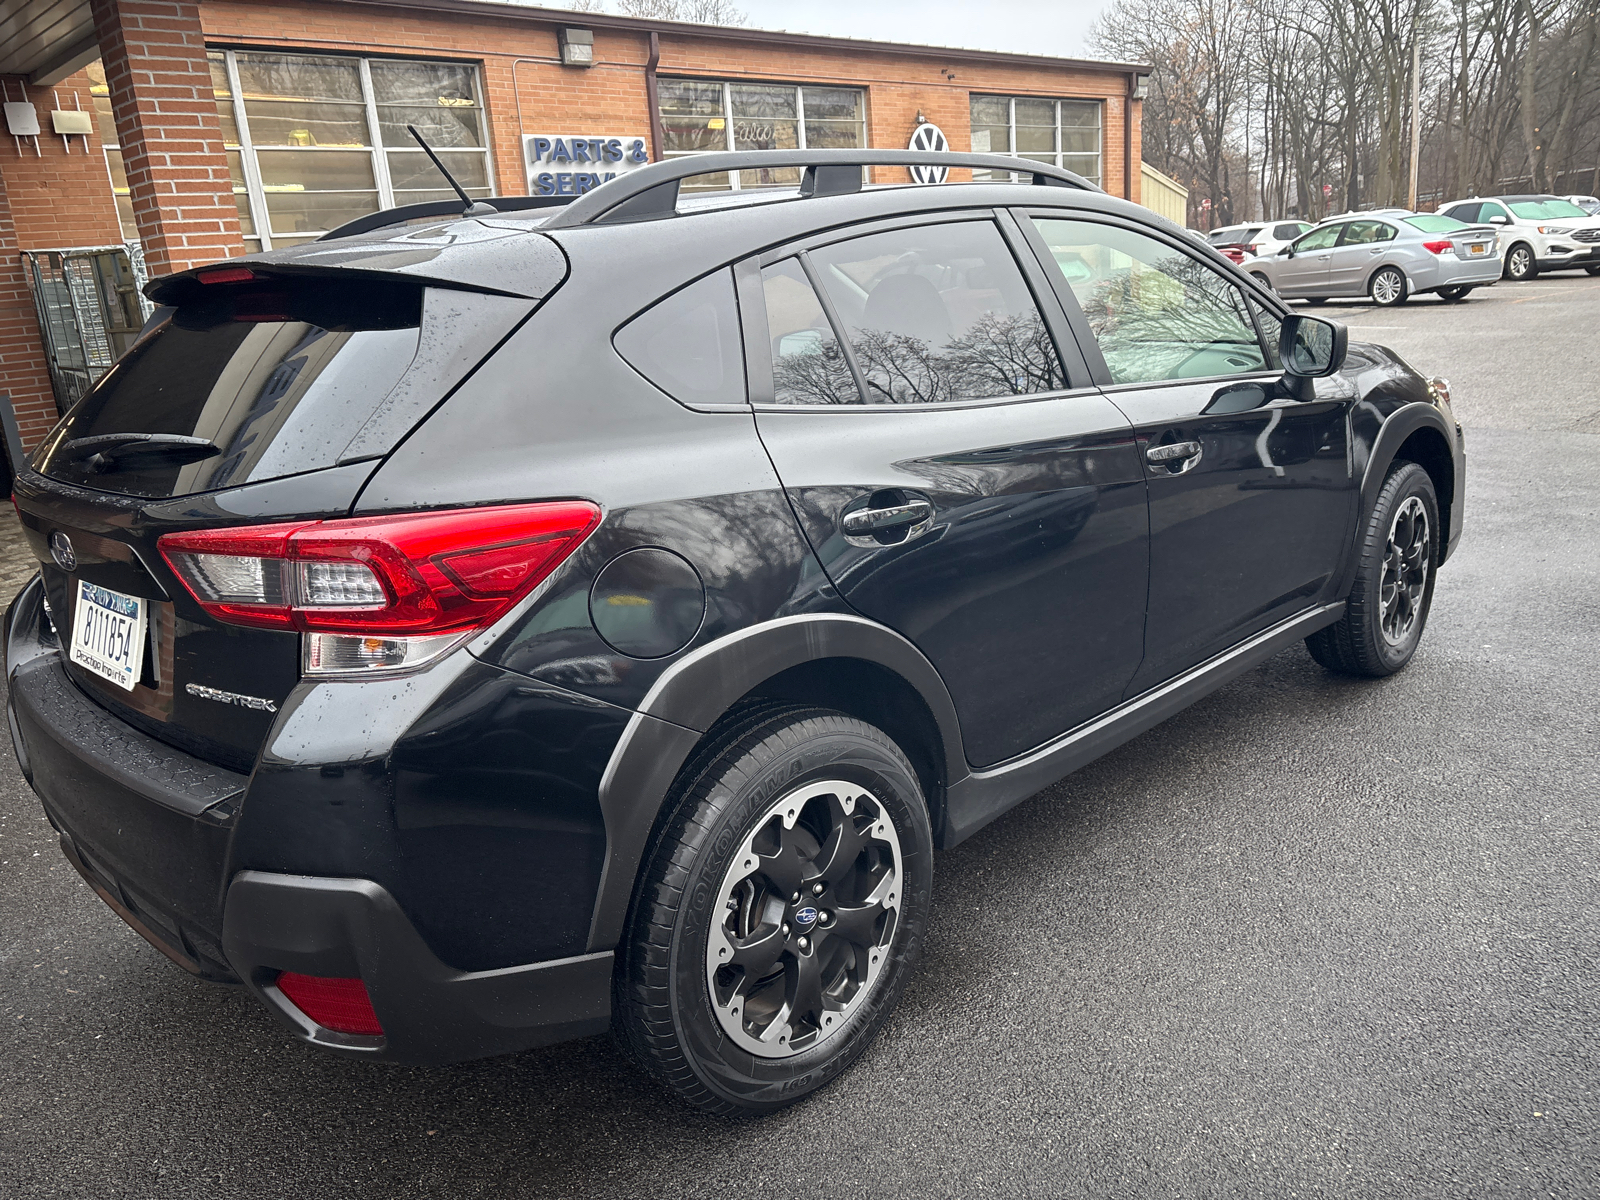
x,y
653,97
1127,137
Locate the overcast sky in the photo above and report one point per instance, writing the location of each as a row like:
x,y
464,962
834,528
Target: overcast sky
x,y
1058,27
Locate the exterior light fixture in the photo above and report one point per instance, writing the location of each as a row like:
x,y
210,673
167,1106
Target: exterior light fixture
x,y
577,47
1141,86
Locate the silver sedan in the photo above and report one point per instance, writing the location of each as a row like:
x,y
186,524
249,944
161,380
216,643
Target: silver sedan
x,y
1389,259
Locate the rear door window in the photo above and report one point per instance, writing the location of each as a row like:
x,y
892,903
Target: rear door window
x,y
253,383
937,313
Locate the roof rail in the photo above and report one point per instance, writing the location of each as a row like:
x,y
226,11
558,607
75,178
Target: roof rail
x,y
651,192
437,208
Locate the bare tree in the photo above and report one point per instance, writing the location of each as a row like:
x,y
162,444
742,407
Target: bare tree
x,y
697,12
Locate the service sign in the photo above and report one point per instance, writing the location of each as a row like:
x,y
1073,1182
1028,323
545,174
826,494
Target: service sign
x,y
571,165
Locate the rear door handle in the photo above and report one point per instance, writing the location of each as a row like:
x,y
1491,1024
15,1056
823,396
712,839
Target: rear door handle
x,y
1173,452
864,522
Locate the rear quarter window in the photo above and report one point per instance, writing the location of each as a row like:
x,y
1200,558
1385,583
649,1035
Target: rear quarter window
x,y
689,344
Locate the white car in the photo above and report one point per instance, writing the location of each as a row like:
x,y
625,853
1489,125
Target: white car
x,y
1589,204
1260,239
1537,233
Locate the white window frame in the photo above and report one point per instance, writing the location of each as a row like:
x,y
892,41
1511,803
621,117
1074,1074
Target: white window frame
x,y
379,152
735,178
1059,153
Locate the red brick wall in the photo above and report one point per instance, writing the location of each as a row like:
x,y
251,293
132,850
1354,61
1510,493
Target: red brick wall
x,y
58,198
161,94
610,95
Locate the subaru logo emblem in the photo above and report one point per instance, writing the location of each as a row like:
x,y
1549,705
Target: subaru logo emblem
x,y
806,918
61,551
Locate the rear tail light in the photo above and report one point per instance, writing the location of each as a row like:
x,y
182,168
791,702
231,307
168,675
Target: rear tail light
x,y
338,1004
1443,247
379,593
1253,250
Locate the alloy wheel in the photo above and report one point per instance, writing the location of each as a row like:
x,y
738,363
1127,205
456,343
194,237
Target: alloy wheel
x,y
1388,287
1405,572
809,907
1519,262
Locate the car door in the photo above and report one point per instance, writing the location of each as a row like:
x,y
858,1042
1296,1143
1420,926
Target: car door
x,y
1304,270
1251,493
958,475
1358,254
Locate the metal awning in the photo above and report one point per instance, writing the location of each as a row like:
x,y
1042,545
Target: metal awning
x,y
46,40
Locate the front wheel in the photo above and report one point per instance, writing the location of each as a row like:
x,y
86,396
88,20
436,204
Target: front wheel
x,y
1520,263
1452,295
1593,270
1388,287
1387,608
780,913
1316,299
1262,280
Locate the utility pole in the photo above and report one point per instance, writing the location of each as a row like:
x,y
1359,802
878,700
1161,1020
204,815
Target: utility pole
x,y
1416,112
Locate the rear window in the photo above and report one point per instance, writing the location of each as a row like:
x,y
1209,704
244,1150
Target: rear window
x,y
1434,223
256,382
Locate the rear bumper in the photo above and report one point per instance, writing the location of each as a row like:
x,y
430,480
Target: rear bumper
x,y
1468,272
431,1013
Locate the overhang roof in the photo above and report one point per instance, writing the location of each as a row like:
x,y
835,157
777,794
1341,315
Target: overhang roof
x,y
46,40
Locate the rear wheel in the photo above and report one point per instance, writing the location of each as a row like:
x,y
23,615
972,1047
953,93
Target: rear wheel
x,y
1316,299
1262,280
1520,263
1387,608
1595,270
780,914
1388,287
1454,294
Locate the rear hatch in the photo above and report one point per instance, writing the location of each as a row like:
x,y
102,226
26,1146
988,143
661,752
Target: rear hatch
x,y
267,390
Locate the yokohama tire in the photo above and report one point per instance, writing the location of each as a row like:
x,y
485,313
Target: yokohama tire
x,y
1387,609
732,794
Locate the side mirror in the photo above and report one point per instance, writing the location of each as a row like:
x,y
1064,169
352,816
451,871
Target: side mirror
x,y
1311,347
1286,252
1500,219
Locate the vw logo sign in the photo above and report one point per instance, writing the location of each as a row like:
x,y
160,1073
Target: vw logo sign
x,y
806,918
61,551
929,136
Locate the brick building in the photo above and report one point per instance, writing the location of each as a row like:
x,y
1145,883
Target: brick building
x,y
223,126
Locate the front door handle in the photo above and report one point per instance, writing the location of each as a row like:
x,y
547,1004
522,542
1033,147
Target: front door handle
x,y
1173,452
865,522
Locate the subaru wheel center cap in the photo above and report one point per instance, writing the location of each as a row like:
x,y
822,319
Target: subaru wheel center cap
x,y
805,918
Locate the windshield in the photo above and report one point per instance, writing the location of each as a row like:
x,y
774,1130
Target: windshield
x,y
1545,210
1434,223
252,383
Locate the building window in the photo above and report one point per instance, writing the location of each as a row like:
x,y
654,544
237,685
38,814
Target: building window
x,y
314,141
100,95
700,115
1064,133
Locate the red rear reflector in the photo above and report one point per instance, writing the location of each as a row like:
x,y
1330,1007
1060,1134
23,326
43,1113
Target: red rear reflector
x,y
341,1005
1437,247
226,275
414,574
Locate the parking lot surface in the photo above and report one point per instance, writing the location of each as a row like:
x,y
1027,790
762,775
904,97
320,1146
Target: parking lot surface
x,y
1312,937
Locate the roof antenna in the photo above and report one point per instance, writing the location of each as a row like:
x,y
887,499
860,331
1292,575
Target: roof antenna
x,y
469,206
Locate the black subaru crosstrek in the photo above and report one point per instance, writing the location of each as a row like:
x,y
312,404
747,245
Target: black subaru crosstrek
x,y
485,627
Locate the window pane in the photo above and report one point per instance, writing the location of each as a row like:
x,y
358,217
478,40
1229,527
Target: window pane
x,y
100,99
130,227
309,123
412,170
833,104
1080,141
939,313
752,100
1087,165
991,132
427,83
1318,239
683,96
834,135
1084,113
1271,331
440,124
1036,112
236,169
315,170
807,365
991,110
313,213
247,223
1156,312
298,77
689,344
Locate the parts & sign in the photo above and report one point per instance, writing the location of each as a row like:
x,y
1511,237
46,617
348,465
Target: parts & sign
x,y
571,166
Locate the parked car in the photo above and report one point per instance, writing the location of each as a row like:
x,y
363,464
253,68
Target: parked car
x,y
1390,260
1536,233
1589,204
463,651
1237,243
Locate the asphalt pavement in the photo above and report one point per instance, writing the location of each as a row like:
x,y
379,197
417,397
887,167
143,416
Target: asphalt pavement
x,y
1312,937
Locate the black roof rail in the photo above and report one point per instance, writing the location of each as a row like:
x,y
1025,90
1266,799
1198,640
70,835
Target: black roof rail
x,y
651,192
438,208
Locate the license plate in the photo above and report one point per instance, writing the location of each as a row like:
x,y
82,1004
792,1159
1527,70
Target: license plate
x,y
1480,248
108,634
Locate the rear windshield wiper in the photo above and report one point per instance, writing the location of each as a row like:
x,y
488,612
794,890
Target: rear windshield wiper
x,y
107,451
